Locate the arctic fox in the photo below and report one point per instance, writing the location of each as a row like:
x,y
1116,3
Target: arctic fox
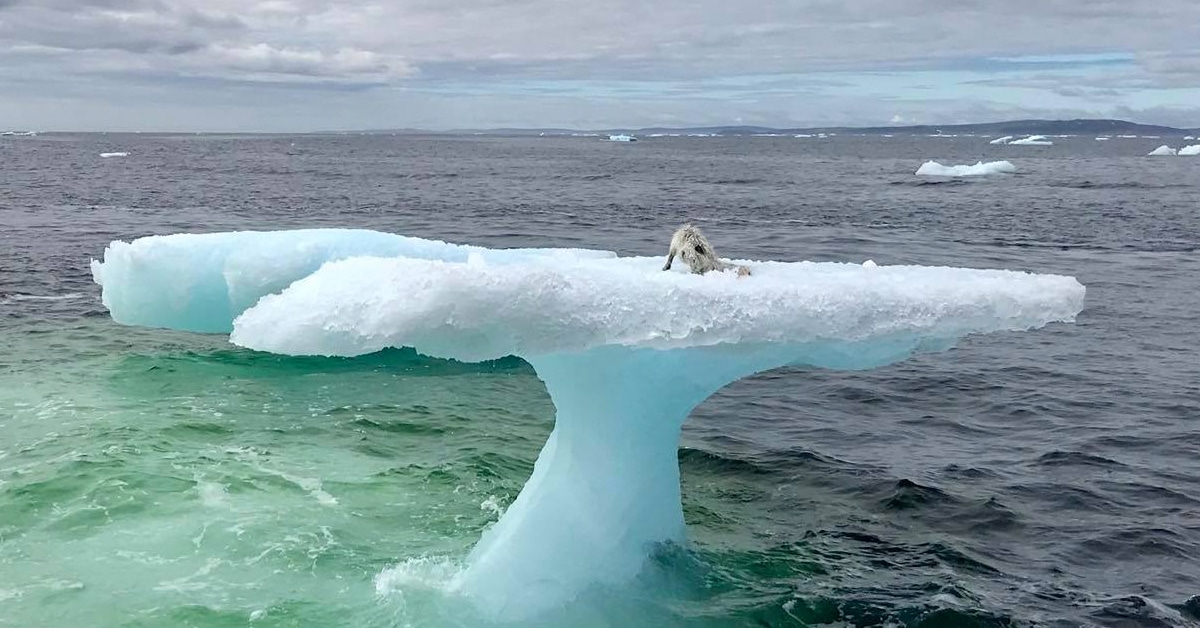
x,y
693,248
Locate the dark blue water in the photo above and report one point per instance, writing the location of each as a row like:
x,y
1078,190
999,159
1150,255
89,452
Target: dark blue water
x,y
1048,478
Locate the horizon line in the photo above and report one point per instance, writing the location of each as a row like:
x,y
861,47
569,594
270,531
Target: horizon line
x,y
561,129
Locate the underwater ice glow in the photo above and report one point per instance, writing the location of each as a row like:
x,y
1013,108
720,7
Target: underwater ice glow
x,y
626,352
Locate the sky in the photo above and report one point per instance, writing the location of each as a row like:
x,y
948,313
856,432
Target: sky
x,y
308,65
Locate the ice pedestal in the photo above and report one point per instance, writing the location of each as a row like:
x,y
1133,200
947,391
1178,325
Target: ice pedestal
x,y
605,488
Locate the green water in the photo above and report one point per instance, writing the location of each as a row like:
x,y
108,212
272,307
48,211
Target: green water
x,y
150,478
154,478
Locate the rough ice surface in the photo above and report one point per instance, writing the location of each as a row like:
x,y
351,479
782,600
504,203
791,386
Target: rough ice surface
x,y
1162,151
1186,151
1032,140
201,282
934,169
1002,140
625,350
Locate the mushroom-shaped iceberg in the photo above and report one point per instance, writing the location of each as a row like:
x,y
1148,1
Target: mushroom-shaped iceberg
x,y
625,350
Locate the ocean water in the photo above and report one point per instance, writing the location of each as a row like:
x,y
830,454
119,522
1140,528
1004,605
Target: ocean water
x,y
1050,478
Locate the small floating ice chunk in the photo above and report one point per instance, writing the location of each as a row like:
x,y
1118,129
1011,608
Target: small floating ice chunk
x,y
1103,139
1188,151
1032,140
1002,140
114,154
870,264
934,169
1161,151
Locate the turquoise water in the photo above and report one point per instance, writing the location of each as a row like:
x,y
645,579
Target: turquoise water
x,y
153,478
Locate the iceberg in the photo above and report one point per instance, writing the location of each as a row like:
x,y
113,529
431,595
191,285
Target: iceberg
x,y
625,350
1161,151
622,138
934,169
114,154
1032,140
1186,151
1002,140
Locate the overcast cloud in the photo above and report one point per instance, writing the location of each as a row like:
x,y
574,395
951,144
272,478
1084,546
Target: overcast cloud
x,y
277,65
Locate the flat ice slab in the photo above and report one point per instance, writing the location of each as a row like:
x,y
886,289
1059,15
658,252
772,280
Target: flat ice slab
x,y
201,282
934,169
481,311
1032,140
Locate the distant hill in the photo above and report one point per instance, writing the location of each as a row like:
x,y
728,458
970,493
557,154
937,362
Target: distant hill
x,y
1009,127
1033,127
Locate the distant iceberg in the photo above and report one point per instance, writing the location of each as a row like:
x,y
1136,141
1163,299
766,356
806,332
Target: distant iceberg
x,y
114,154
622,138
1032,140
934,169
625,350
1161,151
1188,137
1188,151
1103,139
1002,140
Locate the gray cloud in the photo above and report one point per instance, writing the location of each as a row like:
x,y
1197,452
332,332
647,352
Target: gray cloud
x,y
1179,69
135,27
